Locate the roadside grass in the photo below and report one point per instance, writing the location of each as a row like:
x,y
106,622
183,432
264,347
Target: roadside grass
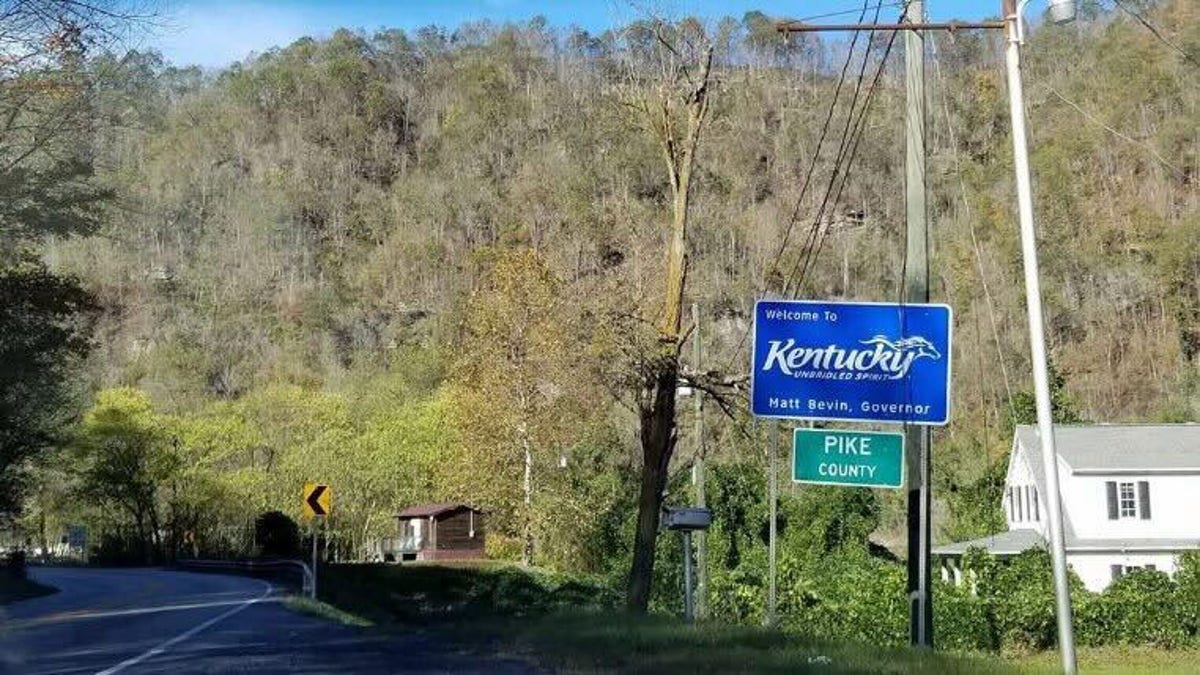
x,y
573,625
432,594
13,589
325,611
1119,661
656,644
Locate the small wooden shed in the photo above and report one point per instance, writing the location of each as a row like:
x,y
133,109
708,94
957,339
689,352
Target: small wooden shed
x,y
445,531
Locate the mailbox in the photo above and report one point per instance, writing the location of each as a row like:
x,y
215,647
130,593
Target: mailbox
x,y
687,519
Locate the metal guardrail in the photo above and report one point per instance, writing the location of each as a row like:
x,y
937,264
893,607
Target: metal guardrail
x,y
308,580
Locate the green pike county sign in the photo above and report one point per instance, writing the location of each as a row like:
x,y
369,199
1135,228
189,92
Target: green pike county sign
x,y
851,458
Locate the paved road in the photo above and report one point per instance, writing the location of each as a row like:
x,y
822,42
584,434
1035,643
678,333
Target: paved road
x,y
155,621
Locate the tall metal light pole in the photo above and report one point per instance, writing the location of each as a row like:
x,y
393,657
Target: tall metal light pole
x,y
1037,337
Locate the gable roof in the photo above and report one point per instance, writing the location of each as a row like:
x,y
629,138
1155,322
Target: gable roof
x,y
428,510
1100,448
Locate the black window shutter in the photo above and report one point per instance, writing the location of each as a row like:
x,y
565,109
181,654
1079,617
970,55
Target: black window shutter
x,y
1112,499
1037,515
1144,499
1116,571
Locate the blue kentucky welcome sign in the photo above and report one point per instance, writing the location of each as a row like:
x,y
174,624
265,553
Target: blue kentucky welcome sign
x,y
848,361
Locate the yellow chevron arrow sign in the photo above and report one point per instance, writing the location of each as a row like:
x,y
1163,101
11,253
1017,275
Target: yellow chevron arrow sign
x,y
318,500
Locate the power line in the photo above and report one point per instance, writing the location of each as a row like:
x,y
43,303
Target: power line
x,y
812,165
847,132
845,12
814,238
808,175
1162,160
962,186
1157,33
857,134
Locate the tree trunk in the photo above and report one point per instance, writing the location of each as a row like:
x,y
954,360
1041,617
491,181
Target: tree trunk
x,y
527,524
656,404
657,416
43,539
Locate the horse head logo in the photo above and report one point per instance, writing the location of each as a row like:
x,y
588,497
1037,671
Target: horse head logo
x,y
915,345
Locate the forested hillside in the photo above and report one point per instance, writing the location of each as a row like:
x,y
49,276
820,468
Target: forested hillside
x,y
420,267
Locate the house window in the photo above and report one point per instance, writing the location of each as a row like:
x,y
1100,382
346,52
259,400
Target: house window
x,y
1020,508
1128,500
1119,571
1036,512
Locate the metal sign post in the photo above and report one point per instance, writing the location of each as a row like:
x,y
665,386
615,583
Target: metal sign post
x,y
314,527
316,504
689,611
772,528
686,521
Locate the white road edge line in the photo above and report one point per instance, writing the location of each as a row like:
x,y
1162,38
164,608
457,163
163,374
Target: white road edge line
x,y
162,648
66,617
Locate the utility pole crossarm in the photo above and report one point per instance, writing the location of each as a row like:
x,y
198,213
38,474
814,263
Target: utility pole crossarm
x,y
800,27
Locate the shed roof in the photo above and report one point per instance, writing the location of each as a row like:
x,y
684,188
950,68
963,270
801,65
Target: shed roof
x,y
427,510
1121,447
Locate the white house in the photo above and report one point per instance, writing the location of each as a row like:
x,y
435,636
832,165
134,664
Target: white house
x,y
1130,496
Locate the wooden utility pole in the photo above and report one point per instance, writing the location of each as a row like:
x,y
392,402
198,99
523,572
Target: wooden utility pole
x,y
698,474
916,289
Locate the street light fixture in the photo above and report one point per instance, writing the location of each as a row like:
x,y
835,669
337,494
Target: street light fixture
x,y
1060,12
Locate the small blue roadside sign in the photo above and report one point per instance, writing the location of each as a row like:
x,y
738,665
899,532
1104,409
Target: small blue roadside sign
x,y
851,362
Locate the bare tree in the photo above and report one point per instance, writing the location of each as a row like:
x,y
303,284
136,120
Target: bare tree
x,y
46,109
674,109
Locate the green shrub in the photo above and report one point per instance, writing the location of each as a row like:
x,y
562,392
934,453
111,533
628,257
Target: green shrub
x,y
498,546
276,535
1187,592
848,596
1022,597
961,621
1140,608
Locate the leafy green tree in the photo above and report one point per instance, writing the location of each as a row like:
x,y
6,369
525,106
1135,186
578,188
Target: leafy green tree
x,y
1062,405
1187,576
976,508
44,333
521,379
126,459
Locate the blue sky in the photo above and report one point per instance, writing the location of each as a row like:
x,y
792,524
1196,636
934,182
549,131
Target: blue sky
x,y
216,32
